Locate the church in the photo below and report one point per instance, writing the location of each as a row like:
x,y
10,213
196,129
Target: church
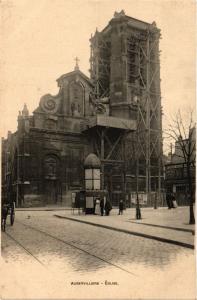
x,y
49,146
43,161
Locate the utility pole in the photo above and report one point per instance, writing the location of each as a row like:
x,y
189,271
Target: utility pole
x,y
124,175
17,177
102,159
138,211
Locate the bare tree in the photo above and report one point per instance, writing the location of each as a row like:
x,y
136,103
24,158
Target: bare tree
x,y
183,133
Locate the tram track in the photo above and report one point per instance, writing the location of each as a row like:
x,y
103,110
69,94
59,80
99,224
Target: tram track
x,y
25,249
68,244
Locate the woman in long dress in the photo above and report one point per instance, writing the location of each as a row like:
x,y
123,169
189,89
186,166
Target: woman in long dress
x,y
97,207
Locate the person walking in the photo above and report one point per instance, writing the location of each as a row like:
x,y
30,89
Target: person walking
x,y
169,200
173,199
108,207
102,206
121,207
4,214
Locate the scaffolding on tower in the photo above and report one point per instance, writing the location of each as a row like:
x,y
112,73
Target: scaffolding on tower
x,y
144,78
139,93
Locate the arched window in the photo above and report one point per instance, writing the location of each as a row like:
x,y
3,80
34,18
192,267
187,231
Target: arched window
x,y
51,166
76,99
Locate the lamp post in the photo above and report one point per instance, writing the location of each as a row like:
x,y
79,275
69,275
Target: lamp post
x,y
138,211
17,178
7,176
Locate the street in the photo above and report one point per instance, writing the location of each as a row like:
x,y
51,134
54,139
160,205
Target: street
x,y
48,257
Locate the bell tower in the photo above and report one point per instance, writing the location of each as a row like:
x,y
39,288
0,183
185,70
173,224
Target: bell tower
x,y
125,68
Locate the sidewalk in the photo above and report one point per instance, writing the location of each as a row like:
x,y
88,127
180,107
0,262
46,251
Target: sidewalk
x,y
162,224
44,208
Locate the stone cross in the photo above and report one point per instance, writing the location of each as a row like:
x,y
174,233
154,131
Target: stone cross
x,y
76,66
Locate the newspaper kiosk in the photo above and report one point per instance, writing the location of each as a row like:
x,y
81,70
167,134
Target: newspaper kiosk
x,y
92,165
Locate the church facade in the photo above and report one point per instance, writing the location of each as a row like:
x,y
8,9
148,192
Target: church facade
x,y
115,114
44,158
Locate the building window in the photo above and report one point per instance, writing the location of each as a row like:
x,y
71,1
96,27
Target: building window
x,y
50,167
76,99
181,188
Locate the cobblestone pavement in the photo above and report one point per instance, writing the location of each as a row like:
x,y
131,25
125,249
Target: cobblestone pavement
x,y
73,252
161,223
178,217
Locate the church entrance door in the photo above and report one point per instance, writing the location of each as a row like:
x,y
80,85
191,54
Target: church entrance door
x,y
51,191
52,185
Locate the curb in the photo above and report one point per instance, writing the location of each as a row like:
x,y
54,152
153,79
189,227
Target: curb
x,y
42,209
167,227
152,237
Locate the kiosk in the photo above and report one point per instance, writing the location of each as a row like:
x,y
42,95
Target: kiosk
x,y
92,166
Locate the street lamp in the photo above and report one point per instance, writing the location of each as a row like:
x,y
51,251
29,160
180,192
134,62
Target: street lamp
x,y
138,211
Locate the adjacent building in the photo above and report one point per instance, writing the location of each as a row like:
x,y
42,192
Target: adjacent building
x,y
176,173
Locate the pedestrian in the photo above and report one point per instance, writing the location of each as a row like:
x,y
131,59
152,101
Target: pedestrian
x,y
121,207
169,200
173,199
97,207
102,206
4,213
108,207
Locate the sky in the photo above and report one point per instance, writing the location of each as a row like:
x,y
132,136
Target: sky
x,y
40,40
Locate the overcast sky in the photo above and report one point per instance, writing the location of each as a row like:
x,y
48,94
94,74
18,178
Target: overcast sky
x,y
41,38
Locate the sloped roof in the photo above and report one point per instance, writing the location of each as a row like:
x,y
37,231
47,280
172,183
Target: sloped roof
x,y
131,21
75,72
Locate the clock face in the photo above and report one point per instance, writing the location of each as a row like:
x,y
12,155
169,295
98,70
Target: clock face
x,y
49,104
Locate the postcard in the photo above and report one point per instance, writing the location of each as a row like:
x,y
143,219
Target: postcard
x,y
98,149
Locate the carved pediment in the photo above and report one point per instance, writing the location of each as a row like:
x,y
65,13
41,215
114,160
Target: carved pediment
x,y
72,99
49,103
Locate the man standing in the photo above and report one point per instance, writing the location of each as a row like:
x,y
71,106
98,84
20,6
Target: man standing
x,y
121,207
108,207
169,200
102,206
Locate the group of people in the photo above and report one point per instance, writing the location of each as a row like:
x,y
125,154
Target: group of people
x,y
171,201
103,207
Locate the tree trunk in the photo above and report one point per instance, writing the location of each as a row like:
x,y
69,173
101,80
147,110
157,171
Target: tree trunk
x,y
191,209
191,214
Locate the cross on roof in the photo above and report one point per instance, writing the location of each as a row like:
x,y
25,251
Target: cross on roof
x,y
76,65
